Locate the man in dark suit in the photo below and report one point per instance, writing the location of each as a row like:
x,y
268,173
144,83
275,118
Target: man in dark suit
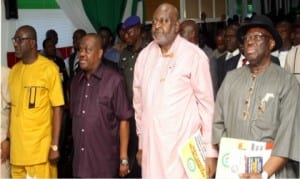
x,y
232,47
72,61
235,62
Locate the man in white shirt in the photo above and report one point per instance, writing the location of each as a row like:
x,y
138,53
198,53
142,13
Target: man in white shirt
x,y
292,63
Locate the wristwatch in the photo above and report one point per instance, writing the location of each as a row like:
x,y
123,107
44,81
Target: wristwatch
x,y
124,162
54,147
264,175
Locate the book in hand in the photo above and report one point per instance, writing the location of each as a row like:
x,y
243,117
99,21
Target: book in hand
x,y
192,154
238,156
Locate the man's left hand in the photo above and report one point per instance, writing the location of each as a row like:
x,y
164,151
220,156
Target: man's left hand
x,y
53,156
211,165
124,170
250,176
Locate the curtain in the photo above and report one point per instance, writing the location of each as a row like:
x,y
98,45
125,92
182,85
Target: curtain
x,y
105,12
75,12
138,9
239,7
134,7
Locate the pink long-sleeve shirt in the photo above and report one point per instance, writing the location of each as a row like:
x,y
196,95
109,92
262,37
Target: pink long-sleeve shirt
x,y
173,98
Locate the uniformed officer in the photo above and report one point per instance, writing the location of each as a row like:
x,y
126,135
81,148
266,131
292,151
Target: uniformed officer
x,y
135,43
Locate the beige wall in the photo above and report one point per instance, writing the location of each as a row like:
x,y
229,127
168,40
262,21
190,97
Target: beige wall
x,y
220,6
193,9
151,5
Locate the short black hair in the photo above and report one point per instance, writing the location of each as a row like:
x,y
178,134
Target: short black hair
x,y
106,29
50,32
45,41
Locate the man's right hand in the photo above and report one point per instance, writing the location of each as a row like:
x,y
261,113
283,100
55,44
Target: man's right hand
x,y
139,157
4,151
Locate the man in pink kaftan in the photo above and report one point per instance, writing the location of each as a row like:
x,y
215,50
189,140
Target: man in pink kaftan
x,y
173,98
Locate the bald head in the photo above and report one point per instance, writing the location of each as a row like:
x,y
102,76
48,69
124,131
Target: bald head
x,y
189,30
165,25
169,9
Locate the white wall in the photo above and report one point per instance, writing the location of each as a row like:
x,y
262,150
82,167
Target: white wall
x,y
41,20
7,30
1,32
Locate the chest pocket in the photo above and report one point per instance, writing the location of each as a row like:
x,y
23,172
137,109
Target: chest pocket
x,y
35,97
264,116
103,105
35,103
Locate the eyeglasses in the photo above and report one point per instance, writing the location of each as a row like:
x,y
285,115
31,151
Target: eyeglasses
x,y
256,37
20,39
